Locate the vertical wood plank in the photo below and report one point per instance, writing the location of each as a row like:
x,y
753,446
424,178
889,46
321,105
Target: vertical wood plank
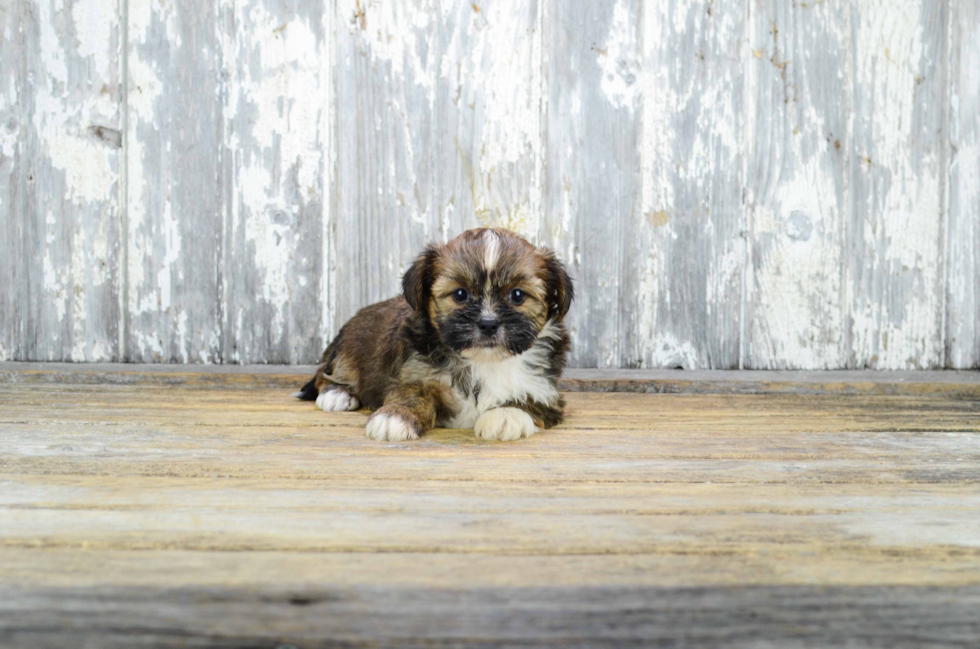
x,y
174,182
593,170
71,114
612,132
438,130
963,262
386,63
13,127
895,283
693,249
277,103
797,144
487,125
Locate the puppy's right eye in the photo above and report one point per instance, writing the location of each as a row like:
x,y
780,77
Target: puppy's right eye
x,y
460,295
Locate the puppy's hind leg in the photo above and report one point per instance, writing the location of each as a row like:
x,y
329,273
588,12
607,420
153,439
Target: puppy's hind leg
x,y
336,398
328,387
330,384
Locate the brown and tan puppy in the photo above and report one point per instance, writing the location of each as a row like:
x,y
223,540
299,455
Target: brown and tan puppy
x,y
476,340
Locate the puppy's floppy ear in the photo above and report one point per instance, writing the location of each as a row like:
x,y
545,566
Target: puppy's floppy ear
x,y
417,281
559,284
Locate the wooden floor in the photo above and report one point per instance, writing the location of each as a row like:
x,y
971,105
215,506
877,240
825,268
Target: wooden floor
x,y
208,513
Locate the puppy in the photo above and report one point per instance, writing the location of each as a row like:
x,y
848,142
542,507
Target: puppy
x,y
476,340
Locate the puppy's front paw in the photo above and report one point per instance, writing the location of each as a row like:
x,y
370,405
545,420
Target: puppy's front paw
x,y
337,399
505,424
393,424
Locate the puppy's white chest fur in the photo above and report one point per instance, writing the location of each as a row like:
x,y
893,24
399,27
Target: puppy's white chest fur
x,y
515,379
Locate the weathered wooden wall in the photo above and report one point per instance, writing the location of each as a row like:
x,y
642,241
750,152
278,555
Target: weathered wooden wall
x,y
781,184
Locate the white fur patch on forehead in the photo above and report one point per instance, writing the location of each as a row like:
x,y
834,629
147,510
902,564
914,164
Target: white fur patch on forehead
x,y
491,249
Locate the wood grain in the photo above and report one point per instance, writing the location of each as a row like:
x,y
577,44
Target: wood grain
x,y
383,123
176,172
438,112
963,251
278,136
593,171
755,185
895,229
693,253
321,616
230,516
13,171
797,169
953,384
67,219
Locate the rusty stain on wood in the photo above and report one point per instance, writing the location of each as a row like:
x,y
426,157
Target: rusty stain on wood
x,y
659,218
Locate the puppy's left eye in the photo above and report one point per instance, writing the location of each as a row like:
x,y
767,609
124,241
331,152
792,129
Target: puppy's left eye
x,y
517,296
460,295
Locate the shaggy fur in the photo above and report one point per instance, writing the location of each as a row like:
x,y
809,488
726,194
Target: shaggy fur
x,y
476,339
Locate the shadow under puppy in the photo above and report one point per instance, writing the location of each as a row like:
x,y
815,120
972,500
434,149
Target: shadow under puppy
x,y
476,340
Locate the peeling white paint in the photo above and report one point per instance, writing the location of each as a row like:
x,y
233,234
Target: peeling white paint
x,y
51,48
181,336
88,166
145,91
690,150
963,188
91,18
287,99
62,122
392,32
150,342
73,176
327,279
464,133
902,197
10,131
492,67
668,351
56,278
171,245
796,191
618,59
655,197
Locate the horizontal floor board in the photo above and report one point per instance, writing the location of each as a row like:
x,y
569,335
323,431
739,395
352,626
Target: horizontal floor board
x,y
948,382
851,565
215,512
249,433
786,616
585,411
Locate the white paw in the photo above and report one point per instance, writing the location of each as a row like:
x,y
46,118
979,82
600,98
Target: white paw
x,y
334,400
386,427
505,424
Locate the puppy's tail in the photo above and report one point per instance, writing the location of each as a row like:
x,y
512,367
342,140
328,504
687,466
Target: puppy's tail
x,y
308,392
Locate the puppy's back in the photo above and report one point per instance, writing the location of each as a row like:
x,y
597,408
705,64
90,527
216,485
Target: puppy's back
x,y
367,353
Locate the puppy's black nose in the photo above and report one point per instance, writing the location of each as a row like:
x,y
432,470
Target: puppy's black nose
x,y
488,325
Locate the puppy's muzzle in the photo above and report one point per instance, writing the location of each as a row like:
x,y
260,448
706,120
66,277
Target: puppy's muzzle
x,y
488,326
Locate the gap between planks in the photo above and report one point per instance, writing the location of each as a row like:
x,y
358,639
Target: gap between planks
x,y
964,383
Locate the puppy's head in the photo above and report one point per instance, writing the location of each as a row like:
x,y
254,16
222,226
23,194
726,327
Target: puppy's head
x,y
488,293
